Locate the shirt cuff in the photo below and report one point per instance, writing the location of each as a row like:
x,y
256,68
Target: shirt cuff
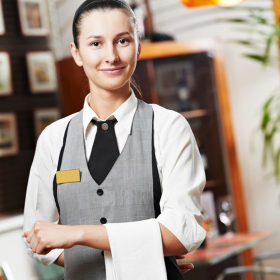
x,y
47,259
186,228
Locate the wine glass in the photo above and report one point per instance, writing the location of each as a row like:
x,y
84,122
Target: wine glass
x,y
226,213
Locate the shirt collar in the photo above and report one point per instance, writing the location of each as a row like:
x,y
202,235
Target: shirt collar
x,y
124,114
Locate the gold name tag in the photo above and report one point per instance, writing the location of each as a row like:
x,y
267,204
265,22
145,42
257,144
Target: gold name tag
x,y
68,176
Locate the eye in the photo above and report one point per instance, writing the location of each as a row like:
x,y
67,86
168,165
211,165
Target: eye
x,y
95,44
123,40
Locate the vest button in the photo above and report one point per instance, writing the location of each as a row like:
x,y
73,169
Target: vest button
x,y
105,126
103,220
100,192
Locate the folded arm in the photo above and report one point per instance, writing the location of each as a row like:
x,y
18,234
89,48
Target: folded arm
x,y
171,245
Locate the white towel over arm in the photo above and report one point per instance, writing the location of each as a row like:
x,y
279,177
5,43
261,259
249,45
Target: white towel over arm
x,y
136,251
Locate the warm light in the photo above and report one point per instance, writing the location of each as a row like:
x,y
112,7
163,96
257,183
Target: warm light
x,y
200,3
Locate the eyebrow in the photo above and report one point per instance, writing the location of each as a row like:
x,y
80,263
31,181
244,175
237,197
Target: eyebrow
x,y
119,34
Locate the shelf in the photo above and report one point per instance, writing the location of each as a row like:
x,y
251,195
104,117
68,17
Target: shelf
x,y
152,50
195,114
214,183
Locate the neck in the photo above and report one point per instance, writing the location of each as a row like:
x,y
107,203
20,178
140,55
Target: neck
x,y
104,102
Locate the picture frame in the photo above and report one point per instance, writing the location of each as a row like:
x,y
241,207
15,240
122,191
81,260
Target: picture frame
x,y
2,24
5,74
44,117
41,71
8,135
34,18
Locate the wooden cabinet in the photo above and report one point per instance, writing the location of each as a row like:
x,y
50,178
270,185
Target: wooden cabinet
x,y
190,78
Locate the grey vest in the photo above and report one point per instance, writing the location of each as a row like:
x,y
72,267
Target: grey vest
x,y
130,192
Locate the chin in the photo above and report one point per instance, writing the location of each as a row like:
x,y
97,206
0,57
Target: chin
x,y
115,84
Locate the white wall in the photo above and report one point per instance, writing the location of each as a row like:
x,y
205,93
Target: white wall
x,y
249,86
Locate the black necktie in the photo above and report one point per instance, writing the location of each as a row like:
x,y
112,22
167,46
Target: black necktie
x,y
104,151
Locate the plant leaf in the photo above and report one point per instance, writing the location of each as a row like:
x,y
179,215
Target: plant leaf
x,y
260,19
234,20
256,57
267,104
243,42
277,164
268,48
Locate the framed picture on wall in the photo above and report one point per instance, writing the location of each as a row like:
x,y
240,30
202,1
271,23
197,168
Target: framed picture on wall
x,y
33,17
41,71
44,117
2,26
5,74
8,135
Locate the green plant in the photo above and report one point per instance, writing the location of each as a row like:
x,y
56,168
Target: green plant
x,y
262,34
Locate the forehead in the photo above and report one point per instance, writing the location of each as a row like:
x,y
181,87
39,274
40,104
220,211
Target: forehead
x,y
105,22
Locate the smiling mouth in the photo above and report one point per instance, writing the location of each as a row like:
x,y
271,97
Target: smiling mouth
x,y
113,71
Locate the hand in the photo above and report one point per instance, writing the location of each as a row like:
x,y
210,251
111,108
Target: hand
x,y
184,267
45,236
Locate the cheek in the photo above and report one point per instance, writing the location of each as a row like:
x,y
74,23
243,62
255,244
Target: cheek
x,y
93,60
129,56
91,65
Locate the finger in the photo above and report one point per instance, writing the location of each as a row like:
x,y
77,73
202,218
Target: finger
x,y
34,244
26,233
186,266
42,249
30,235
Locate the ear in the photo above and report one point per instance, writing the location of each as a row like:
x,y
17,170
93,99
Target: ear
x,y
76,54
139,48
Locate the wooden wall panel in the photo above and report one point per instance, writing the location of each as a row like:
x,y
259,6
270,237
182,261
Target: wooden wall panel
x,y
74,86
14,170
233,165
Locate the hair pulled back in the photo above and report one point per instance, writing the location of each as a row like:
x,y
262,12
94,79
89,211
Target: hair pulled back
x,y
104,5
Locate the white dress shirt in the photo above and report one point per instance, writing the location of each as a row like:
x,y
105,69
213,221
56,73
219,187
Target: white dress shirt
x,y
179,164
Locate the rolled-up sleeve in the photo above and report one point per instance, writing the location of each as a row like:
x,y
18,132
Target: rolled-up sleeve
x,y
39,201
183,180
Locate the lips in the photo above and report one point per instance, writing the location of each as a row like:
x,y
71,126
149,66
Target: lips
x,y
113,71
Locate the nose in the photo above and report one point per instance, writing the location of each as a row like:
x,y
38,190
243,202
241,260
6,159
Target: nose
x,y
111,54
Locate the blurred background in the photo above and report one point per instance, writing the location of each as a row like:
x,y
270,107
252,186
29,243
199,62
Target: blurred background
x,y
215,62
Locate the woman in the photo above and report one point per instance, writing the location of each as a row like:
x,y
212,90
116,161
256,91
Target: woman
x,y
153,169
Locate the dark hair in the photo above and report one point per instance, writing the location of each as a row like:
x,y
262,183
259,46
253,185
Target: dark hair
x,y
104,5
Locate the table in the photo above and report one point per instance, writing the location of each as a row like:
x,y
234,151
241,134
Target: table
x,y
222,248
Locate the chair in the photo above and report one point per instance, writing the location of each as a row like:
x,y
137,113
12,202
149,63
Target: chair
x,y
6,271
265,256
256,270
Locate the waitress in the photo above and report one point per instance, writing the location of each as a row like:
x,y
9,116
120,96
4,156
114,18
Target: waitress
x,y
118,160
